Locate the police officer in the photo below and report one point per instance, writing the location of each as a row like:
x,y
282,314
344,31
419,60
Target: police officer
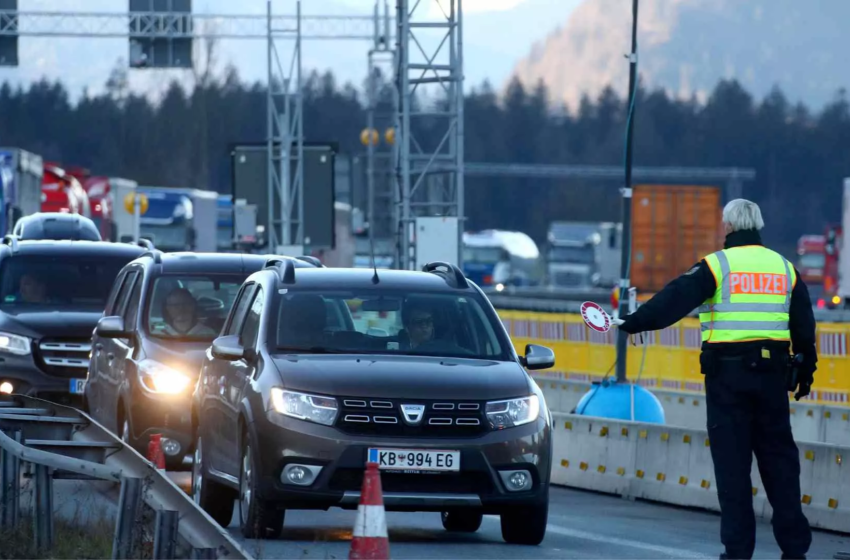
x,y
753,307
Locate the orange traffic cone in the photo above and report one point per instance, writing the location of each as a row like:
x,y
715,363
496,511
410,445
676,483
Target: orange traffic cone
x,y
155,454
370,530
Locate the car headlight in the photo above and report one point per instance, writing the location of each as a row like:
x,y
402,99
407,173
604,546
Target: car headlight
x,y
513,412
160,378
14,344
322,410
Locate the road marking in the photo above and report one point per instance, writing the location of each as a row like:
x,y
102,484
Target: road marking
x,y
628,543
608,539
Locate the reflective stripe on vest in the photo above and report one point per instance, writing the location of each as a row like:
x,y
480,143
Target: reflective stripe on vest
x,y
753,296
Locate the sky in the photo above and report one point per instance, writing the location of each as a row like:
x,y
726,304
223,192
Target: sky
x,y
497,33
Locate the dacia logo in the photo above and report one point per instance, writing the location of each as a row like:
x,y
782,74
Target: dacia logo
x,y
413,413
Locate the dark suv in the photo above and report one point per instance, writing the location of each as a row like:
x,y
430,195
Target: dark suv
x,y
320,371
164,311
52,293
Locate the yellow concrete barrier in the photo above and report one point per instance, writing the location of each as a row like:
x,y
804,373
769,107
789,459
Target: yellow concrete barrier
x,y
672,354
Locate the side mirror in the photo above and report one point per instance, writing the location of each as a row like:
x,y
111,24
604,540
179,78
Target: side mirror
x,y
112,327
538,357
228,348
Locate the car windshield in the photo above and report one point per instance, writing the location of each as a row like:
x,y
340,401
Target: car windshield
x,y
59,281
579,255
812,260
388,322
485,255
190,307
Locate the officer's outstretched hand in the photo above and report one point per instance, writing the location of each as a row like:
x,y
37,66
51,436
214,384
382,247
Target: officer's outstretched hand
x,y
617,322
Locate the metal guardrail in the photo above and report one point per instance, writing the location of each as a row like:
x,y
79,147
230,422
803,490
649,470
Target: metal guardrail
x,y
63,443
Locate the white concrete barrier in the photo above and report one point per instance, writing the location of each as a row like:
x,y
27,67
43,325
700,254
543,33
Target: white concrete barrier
x,y
673,465
809,421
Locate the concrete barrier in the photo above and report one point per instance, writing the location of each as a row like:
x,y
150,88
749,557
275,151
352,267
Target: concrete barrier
x,y
673,465
686,409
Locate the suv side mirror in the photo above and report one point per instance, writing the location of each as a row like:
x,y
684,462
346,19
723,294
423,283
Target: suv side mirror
x,y
228,348
538,357
112,327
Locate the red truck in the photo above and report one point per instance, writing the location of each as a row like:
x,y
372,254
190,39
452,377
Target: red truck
x,y
98,192
62,192
811,258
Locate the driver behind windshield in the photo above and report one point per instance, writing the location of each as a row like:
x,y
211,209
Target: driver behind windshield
x,y
418,321
180,313
32,289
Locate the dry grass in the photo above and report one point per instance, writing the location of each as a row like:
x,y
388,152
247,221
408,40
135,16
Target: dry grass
x,y
93,541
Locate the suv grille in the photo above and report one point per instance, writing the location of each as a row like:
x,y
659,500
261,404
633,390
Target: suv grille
x,y
384,417
475,482
64,358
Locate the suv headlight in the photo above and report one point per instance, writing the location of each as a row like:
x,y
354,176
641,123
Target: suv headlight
x,y
14,344
513,412
322,410
160,378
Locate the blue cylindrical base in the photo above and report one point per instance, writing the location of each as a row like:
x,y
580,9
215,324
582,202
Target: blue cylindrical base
x,y
614,400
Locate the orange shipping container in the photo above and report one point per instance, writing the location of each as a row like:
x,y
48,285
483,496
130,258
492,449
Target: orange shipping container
x,y
673,227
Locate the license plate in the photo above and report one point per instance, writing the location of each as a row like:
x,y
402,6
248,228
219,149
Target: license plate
x,y
415,460
77,386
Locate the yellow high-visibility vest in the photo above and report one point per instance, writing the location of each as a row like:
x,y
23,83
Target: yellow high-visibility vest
x,y
753,296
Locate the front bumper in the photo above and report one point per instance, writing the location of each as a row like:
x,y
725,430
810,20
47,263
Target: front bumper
x,y
29,380
168,415
283,441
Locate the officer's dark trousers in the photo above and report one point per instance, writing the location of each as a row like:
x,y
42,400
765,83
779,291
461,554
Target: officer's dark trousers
x,y
748,412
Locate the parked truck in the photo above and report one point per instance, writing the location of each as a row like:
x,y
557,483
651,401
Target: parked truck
x,y
673,227
107,196
21,174
180,219
571,254
500,258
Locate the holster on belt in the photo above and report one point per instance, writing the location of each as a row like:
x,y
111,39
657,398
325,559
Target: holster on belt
x,y
793,372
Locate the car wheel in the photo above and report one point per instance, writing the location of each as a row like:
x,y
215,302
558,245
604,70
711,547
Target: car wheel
x,y
462,521
257,519
213,498
525,525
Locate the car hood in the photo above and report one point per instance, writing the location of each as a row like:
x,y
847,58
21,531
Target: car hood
x,y
402,377
50,324
185,357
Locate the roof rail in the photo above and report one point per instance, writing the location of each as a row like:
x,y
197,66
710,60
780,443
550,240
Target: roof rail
x,y
146,243
459,278
155,254
312,260
12,241
285,269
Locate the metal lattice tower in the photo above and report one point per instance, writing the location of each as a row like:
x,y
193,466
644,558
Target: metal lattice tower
x,y
285,141
429,174
380,182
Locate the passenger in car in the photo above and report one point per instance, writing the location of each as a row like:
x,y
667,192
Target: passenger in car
x,y
180,313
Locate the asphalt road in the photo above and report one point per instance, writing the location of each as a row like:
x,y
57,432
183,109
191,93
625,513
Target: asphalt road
x,y
581,525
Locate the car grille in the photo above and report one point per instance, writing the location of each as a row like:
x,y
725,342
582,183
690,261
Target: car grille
x,y
472,482
384,417
64,358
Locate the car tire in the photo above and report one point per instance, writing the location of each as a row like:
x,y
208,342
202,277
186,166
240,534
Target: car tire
x,y
462,521
525,525
257,518
214,498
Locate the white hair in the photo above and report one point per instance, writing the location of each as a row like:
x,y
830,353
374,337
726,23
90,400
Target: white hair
x,y
741,214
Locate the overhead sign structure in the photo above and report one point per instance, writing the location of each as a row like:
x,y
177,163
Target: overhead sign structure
x,y
595,317
171,23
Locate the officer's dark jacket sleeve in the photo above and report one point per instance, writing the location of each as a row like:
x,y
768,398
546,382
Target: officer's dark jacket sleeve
x,y
675,301
802,324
